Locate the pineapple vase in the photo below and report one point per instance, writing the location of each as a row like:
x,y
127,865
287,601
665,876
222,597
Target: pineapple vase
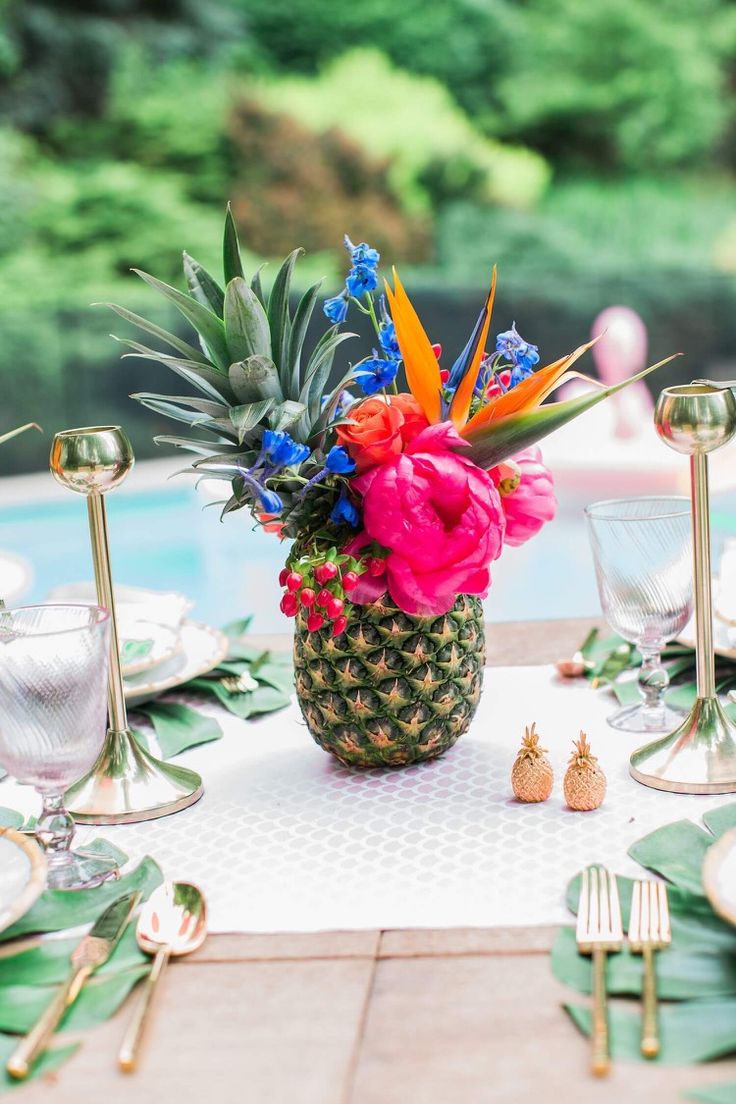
x,y
393,689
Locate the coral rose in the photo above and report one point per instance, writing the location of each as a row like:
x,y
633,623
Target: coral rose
x,y
382,428
533,501
441,518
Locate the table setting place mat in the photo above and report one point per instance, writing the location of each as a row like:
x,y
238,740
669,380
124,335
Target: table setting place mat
x,y
287,840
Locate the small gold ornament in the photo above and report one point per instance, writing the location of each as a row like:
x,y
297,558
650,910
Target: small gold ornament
x,y
585,782
532,775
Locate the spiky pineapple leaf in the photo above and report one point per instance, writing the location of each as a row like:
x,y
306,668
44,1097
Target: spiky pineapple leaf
x,y
248,416
321,423
299,326
246,325
191,444
255,378
231,261
286,415
256,286
206,379
279,320
203,287
319,368
209,327
169,409
183,347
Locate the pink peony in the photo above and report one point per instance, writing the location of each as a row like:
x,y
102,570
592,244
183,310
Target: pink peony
x,y
532,503
441,517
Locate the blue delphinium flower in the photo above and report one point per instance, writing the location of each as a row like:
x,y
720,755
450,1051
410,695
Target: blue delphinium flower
x,y
344,510
361,278
338,461
270,501
362,254
376,373
282,451
519,372
387,332
521,353
336,308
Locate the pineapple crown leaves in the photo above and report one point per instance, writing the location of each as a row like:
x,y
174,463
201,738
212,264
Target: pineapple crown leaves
x,y
249,371
581,756
530,748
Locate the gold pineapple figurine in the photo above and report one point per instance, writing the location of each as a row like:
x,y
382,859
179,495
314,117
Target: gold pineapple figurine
x,y
532,775
585,782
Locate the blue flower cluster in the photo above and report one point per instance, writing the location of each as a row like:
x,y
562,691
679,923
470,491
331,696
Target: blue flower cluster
x,y
361,279
376,373
345,510
522,354
278,450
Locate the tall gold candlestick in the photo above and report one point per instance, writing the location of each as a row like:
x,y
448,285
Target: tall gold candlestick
x,y
699,756
126,784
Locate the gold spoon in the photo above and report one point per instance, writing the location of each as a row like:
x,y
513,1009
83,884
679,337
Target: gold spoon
x,y
172,922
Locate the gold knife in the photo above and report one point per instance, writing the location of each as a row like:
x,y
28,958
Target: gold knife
x,y
91,952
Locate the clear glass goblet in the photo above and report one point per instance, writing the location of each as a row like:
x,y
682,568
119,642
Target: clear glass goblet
x,y
642,548
53,719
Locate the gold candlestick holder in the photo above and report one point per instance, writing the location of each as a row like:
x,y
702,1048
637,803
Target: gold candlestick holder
x,y
126,784
699,757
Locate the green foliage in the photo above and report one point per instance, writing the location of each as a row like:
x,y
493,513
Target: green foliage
x,y
634,84
415,123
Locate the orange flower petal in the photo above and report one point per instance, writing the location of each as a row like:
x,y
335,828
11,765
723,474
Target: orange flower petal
x,y
461,402
420,363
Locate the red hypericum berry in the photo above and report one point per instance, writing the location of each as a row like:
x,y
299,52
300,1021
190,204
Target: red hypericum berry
x,y
315,621
307,596
325,572
350,580
376,566
324,597
293,580
339,625
283,576
289,605
334,608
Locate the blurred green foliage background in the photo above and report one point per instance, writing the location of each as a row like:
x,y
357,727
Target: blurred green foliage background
x,y
587,148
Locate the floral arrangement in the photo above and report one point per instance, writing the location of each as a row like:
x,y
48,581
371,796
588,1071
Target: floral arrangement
x,y
409,494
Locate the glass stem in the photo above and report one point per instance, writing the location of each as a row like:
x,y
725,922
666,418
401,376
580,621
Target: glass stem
x,y
653,679
55,829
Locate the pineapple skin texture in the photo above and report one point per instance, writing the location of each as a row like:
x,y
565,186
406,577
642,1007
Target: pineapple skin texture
x,y
532,781
584,788
392,689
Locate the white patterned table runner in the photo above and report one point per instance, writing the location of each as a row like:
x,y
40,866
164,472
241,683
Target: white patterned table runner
x,y
285,839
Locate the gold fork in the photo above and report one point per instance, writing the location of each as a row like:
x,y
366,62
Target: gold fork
x,y
599,932
649,931
238,684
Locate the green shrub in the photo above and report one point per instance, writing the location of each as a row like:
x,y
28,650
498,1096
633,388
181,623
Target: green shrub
x,y
414,122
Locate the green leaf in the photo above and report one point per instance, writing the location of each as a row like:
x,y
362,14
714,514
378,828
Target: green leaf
x,y
50,1060
691,1031
48,962
498,440
278,318
202,376
255,378
202,286
299,328
231,262
722,819
238,628
179,727
319,368
676,852
163,405
188,351
199,448
57,909
714,1094
245,418
286,416
246,325
21,1005
256,286
209,327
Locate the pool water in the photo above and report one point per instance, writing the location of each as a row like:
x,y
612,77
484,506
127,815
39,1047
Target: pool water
x,y
167,538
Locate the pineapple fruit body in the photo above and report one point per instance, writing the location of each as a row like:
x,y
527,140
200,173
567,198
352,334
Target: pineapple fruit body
x,y
393,689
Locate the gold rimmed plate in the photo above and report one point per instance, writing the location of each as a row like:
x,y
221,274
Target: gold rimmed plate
x,y
22,875
202,648
719,876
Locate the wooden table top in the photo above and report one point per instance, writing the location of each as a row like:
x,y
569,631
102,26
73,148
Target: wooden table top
x,y
394,1017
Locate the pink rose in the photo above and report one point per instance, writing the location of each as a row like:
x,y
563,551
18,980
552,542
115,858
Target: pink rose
x,y
532,503
441,517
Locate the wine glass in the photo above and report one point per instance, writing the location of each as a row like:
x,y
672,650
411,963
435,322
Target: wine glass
x,y
53,718
642,548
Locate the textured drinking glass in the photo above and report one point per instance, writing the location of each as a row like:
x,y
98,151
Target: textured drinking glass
x,y
642,548
53,719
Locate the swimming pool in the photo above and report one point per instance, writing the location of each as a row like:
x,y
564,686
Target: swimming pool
x,y
164,536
